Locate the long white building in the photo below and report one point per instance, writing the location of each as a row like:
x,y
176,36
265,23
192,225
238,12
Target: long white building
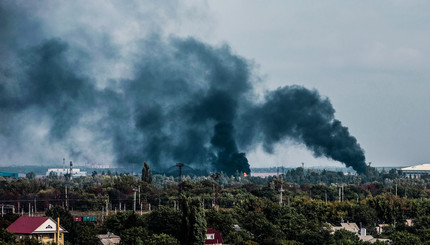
x,y
416,171
76,172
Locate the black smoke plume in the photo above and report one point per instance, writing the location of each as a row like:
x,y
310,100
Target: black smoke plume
x,y
181,101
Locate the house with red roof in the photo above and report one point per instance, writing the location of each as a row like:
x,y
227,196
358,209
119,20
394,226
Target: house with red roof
x,y
44,229
213,237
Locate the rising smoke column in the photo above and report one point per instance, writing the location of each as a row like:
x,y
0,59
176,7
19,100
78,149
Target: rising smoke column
x,y
294,112
184,101
181,101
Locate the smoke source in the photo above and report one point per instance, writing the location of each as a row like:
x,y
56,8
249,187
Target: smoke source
x,y
174,100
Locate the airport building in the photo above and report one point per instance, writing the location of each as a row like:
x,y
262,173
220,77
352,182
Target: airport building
x,y
415,172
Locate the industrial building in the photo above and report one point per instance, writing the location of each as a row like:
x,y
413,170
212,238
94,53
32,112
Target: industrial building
x,y
10,175
62,171
415,172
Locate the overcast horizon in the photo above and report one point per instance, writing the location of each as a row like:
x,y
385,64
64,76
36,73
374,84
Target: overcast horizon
x,y
369,59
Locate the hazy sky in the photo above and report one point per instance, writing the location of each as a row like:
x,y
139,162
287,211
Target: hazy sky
x,y
370,58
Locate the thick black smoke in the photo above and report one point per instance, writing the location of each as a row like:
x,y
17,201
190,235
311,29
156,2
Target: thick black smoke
x,y
182,101
294,112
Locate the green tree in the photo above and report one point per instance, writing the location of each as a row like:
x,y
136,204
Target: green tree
x,y
30,175
134,236
165,220
121,221
162,239
146,173
221,221
405,238
193,229
86,234
344,237
5,236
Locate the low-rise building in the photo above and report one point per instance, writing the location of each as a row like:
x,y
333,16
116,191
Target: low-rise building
x,y
361,233
108,239
76,172
44,229
213,237
415,172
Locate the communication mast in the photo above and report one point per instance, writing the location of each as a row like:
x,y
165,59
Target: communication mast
x,y
71,169
180,165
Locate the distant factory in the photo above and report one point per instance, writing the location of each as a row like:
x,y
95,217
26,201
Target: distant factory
x,y
63,171
415,172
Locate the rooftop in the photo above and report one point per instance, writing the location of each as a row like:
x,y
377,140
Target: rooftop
x,y
215,235
420,167
29,225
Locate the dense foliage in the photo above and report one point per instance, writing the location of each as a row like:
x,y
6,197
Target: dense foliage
x,y
245,210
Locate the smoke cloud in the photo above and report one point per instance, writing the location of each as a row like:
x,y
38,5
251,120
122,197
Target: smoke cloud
x,y
170,100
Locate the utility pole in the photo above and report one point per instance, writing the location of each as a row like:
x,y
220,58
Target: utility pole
x,y
35,210
280,195
67,198
134,199
343,193
215,177
180,165
325,197
139,196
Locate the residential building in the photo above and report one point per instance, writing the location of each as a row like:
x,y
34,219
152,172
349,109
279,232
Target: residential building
x,y
213,237
108,239
44,229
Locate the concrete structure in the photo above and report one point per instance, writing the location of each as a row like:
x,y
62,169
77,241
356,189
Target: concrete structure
x,y
108,239
361,233
380,228
416,171
62,171
352,227
44,229
213,237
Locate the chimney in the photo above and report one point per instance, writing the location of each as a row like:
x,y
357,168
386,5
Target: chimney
x,y
71,169
363,232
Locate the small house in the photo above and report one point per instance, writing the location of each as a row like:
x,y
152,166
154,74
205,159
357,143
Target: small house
x,y
44,229
213,237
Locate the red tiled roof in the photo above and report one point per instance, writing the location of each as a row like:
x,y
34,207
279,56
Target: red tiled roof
x,y
26,225
217,238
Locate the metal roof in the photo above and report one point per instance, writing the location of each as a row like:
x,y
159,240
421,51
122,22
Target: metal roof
x,y
420,167
28,225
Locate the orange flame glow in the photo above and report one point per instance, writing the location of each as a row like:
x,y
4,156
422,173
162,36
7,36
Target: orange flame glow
x,y
244,174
